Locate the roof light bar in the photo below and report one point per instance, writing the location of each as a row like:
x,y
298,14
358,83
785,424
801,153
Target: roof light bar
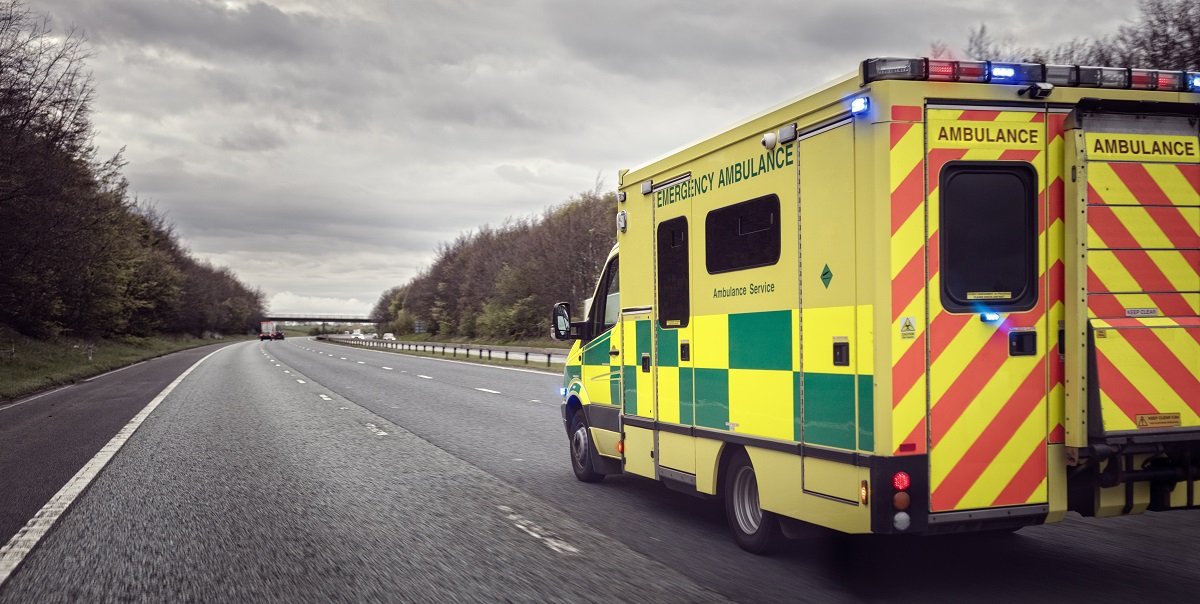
x,y
1104,77
958,71
940,70
895,69
1062,75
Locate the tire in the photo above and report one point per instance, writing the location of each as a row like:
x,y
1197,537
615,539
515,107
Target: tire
x,y
580,442
754,529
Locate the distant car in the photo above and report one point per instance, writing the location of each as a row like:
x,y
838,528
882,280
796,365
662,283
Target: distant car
x,y
357,336
389,336
277,335
264,336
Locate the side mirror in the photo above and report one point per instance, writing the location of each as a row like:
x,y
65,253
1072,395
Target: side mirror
x,y
560,322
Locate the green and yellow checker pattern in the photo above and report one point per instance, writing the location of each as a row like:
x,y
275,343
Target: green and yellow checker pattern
x,y
591,373
745,376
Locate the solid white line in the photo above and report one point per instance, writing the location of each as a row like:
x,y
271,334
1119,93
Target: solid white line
x,y
14,552
301,382
114,371
424,377
488,391
388,368
36,397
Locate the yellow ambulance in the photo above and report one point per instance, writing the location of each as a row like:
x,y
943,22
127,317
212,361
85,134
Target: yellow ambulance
x,y
933,296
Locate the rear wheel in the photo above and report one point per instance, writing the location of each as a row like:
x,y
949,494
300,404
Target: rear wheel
x,y
754,529
581,450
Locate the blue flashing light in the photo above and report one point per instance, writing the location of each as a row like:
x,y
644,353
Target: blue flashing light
x,y
1003,73
989,316
860,105
562,392
1196,82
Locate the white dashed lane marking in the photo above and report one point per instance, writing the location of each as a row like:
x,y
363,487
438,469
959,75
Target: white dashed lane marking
x,y
301,382
362,362
530,528
324,398
388,368
424,377
488,391
376,430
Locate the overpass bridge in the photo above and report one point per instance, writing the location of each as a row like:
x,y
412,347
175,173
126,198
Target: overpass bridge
x,y
315,318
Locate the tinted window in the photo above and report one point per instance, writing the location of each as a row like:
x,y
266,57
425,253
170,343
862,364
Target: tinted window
x,y
988,236
744,235
612,297
606,306
673,303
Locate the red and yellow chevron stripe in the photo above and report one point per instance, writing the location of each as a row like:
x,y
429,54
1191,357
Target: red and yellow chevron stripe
x,y
1143,240
907,186
1148,367
1056,286
988,417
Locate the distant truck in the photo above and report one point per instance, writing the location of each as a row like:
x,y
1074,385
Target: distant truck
x,y
269,330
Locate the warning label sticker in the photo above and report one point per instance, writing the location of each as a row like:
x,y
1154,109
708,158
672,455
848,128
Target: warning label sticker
x,y
1141,312
1157,420
908,328
989,295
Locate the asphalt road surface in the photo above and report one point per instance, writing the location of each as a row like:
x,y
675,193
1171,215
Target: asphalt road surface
x,y
301,470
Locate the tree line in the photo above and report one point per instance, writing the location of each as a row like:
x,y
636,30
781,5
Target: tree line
x,y
500,282
79,254
1165,34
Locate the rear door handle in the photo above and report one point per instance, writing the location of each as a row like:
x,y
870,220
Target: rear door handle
x,y
614,352
646,362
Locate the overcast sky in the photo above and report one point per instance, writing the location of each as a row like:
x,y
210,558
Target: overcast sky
x,y
322,149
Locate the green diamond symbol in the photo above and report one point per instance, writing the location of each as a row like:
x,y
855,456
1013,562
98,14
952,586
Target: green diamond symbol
x,y
826,276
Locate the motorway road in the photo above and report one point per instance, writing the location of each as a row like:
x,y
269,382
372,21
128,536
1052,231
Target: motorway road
x,y
301,470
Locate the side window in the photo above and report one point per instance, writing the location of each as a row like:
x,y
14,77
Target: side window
x,y
743,235
988,228
606,306
612,298
673,303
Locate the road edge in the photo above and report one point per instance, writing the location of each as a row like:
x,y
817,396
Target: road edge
x,y
13,553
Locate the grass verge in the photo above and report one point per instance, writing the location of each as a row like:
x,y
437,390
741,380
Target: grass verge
x,y
28,365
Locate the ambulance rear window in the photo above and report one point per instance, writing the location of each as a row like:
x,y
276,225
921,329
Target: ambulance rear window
x,y
743,235
988,236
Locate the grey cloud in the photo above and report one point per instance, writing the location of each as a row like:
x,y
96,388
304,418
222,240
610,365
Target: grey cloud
x,y
323,149
252,138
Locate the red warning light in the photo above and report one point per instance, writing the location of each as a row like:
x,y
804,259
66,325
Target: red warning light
x,y
901,481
